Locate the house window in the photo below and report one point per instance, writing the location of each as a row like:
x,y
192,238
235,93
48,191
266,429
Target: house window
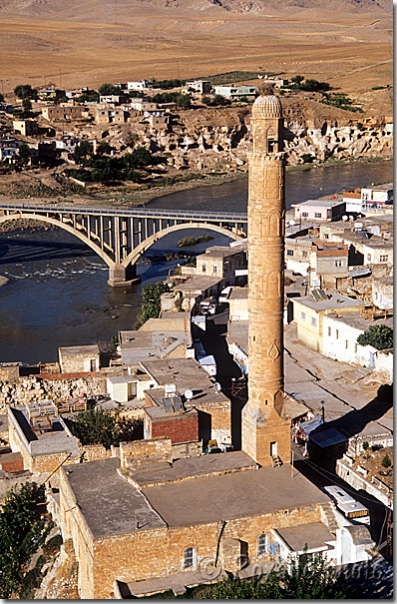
x,y
262,544
346,344
329,331
314,321
303,315
384,258
290,252
304,254
326,236
305,214
368,257
317,214
337,334
214,270
204,268
338,262
355,348
188,557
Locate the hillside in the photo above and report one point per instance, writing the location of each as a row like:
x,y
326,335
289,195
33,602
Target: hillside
x,y
87,42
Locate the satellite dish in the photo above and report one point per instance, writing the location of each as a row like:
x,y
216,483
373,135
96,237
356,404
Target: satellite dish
x,y
217,387
351,218
292,222
344,218
188,395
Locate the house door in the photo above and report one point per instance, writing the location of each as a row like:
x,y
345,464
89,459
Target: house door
x,y
371,359
273,448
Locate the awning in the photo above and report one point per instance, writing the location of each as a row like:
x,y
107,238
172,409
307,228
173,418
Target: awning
x,y
311,424
328,438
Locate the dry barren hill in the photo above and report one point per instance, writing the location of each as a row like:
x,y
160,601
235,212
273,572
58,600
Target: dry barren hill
x,y
87,42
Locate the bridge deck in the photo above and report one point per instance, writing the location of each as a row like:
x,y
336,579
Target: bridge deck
x,y
133,213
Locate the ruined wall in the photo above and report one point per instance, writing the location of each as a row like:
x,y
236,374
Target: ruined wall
x,y
34,388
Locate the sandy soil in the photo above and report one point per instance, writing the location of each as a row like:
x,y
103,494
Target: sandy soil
x,y
87,42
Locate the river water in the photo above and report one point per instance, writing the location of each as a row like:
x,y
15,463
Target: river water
x,y
58,293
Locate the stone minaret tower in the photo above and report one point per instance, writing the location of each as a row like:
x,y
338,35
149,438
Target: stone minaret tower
x,y
265,432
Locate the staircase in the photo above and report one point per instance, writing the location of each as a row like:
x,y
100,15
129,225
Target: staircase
x,y
276,461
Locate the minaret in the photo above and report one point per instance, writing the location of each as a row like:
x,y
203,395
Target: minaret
x,y
265,432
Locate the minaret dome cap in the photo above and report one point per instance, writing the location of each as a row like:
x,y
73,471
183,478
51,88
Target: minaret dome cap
x,y
267,106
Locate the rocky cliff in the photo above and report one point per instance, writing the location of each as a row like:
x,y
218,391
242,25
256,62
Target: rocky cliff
x,y
219,140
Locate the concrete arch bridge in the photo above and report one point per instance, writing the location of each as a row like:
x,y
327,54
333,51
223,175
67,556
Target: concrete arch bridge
x,y
119,236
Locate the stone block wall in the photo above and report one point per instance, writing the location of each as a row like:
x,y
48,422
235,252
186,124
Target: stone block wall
x,y
159,552
138,451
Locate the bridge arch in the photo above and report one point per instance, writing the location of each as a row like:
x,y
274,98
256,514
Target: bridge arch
x,y
65,227
135,254
122,274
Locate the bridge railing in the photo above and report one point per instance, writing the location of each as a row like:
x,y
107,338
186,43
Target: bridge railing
x,y
133,213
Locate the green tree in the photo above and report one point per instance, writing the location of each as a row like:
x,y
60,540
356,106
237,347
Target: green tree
x,y
24,153
298,79
22,531
108,89
27,107
183,100
24,91
82,150
151,297
365,445
99,426
386,461
378,336
103,148
90,96
304,577
112,344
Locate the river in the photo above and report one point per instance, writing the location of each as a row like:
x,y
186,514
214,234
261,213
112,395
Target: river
x,y
58,293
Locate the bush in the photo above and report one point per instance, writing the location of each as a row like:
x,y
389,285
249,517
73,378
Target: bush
x,y
365,445
378,336
22,531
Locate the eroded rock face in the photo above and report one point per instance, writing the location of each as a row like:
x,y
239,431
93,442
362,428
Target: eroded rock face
x,y
221,141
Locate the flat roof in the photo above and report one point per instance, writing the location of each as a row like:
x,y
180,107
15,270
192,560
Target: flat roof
x,y
186,374
197,283
139,345
334,302
110,504
324,203
73,350
238,293
234,495
312,534
354,320
191,468
220,251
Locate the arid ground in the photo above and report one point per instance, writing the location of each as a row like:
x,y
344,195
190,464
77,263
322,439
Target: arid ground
x,y
88,42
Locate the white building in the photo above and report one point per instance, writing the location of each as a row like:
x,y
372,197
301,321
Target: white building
x,y
340,333
139,86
